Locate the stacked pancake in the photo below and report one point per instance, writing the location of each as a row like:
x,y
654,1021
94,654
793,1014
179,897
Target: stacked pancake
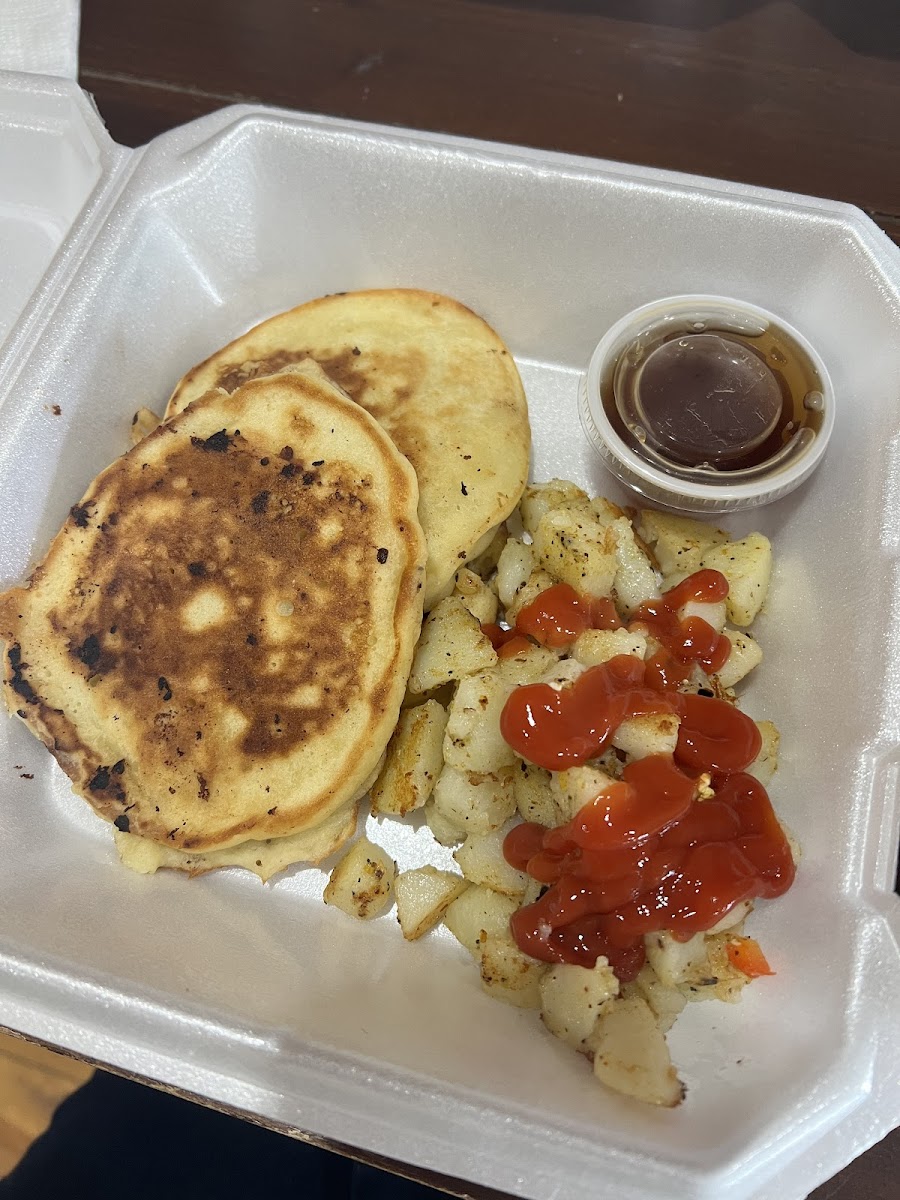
x,y
216,647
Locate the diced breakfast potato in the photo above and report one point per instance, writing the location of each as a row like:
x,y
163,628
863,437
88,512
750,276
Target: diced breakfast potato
x,y
477,913
636,580
534,797
481,860
747,565
142,424
508,974
631,1055
573,997
539,498
485,562
699,968
575,548
605,511
528,666
515,564
473,741
712,613
423,896
651,733
746,653
414,760
475,803
666,1002
578,786
678,543
476,596
538,581
451,646
596,646
676,962
362,883
445,832
765,764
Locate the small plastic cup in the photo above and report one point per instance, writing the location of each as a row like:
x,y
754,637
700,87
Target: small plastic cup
x,y
639,455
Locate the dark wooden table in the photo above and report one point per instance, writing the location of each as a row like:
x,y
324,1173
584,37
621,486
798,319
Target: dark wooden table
x,y
803,96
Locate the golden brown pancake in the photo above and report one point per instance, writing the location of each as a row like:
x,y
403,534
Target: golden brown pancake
x,y
216,646
434,375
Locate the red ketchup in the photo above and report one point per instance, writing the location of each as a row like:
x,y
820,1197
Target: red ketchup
x,y
644,855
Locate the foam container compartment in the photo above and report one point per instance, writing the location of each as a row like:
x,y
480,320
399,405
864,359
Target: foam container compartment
x,y
260,998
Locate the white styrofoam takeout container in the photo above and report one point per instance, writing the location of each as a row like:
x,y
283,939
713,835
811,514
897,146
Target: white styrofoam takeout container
x,y
261,998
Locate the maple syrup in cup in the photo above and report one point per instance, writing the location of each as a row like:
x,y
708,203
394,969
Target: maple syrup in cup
x,y
707,404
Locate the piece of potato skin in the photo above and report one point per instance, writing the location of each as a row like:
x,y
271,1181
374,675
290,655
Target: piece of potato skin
x,y
572,998
414,760
362,882
747,565
423,895
451,646
678,543
631,1055
481,860
507,973
478,913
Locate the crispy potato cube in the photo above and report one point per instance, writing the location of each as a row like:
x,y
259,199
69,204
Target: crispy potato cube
x,y
423,896
534,797
142,424
508,974
481,860
515,564
666,1002
528,666
631,1055
444,831
451,646
475,803
712,613
540,498
679,543
746,653
575,788
538,581
476,596
414,760
636,580
362,882
473,741
747,565
596,646
576,549
765,764
653,733
484,563
573,997
676,962
477,914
